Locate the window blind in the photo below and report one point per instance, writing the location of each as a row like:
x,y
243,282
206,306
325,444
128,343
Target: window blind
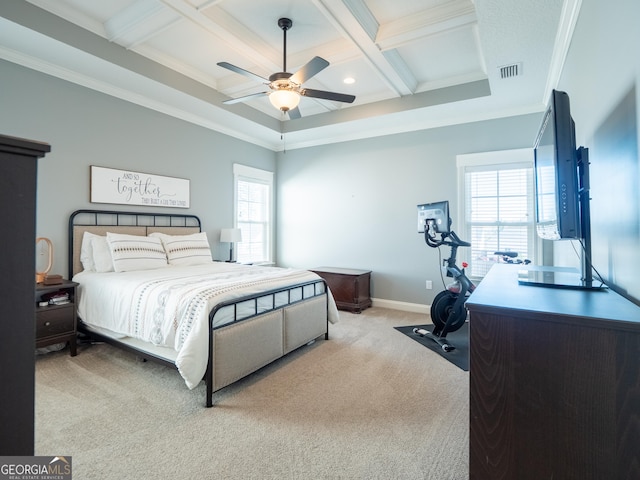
x,y
254,206
499,215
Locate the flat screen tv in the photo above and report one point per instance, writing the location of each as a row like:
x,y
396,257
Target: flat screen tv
x,y
556,173
562,195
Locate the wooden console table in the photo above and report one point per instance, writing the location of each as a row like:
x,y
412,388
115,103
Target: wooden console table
x,y
554,382
350,288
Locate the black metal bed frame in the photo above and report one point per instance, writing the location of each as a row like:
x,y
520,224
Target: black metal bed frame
x,y
235,302
134,220
181,220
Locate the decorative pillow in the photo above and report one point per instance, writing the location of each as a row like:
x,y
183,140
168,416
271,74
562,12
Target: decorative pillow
x,y
191,249
135,252
102,261
86,252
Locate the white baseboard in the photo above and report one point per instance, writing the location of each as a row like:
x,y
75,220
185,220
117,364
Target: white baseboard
x,y
403,306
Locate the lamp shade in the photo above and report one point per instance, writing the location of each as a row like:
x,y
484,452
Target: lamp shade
x,y
231,235
284,99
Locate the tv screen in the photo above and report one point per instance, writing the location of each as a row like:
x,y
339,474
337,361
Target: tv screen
x,y
556,173
438,212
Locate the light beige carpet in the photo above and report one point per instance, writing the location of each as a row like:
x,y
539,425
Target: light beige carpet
x,y
369,403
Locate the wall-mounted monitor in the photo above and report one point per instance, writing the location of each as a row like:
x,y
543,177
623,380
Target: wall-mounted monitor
x,y
436,214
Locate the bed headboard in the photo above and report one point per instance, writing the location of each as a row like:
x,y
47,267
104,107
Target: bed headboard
x,y
100,222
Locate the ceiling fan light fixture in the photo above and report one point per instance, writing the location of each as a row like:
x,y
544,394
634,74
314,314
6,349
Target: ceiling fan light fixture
x,y
284,99
286,88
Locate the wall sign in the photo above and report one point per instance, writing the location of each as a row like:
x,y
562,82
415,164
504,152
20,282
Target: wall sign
x,y
125,187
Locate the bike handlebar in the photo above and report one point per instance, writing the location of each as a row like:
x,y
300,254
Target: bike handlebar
x,y
454,242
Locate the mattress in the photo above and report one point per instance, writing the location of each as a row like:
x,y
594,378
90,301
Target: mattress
x,y
170,306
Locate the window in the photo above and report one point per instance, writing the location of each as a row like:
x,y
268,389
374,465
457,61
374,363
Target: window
x,y
254,213
497,207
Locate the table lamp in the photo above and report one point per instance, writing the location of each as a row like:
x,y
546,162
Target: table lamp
x,y
44,251
230,236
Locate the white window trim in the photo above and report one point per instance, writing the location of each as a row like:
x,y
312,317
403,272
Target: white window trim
x,y
244,172
500,157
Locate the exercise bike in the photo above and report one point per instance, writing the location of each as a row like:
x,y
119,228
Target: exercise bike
x,y
448,310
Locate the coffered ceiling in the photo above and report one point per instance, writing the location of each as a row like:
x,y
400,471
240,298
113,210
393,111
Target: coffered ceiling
x,y
415,64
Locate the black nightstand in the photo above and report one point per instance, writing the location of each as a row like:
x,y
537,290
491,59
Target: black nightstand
x,y
56,323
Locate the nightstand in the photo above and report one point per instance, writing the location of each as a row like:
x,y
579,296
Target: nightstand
x,y
56,323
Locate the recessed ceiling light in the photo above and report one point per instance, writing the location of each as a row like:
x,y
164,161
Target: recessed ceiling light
x,y
349,80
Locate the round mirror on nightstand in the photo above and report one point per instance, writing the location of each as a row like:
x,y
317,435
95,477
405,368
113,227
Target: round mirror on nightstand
x,y
44,258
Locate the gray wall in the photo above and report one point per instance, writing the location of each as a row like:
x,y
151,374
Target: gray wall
x,y
601,76
86,128
354,204
350,204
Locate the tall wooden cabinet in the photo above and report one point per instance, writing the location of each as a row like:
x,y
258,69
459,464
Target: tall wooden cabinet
x,y
18,181
554,382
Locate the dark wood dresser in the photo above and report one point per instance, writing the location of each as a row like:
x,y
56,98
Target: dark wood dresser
x,y
350,287
554,382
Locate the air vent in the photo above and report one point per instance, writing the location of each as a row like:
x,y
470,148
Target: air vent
x,y
513,70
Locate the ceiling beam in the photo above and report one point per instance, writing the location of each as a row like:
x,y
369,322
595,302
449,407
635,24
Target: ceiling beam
x,y
234,35
356,23
431,21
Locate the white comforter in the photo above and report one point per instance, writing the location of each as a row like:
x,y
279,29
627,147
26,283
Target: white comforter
x,y
170,306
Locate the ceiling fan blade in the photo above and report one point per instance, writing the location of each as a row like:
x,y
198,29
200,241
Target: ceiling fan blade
x,y
294,114
336,97
242,71
313,67
245,98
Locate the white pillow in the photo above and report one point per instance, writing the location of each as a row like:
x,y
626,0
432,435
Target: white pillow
x,y
86,252
191,249
102,261
135,252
